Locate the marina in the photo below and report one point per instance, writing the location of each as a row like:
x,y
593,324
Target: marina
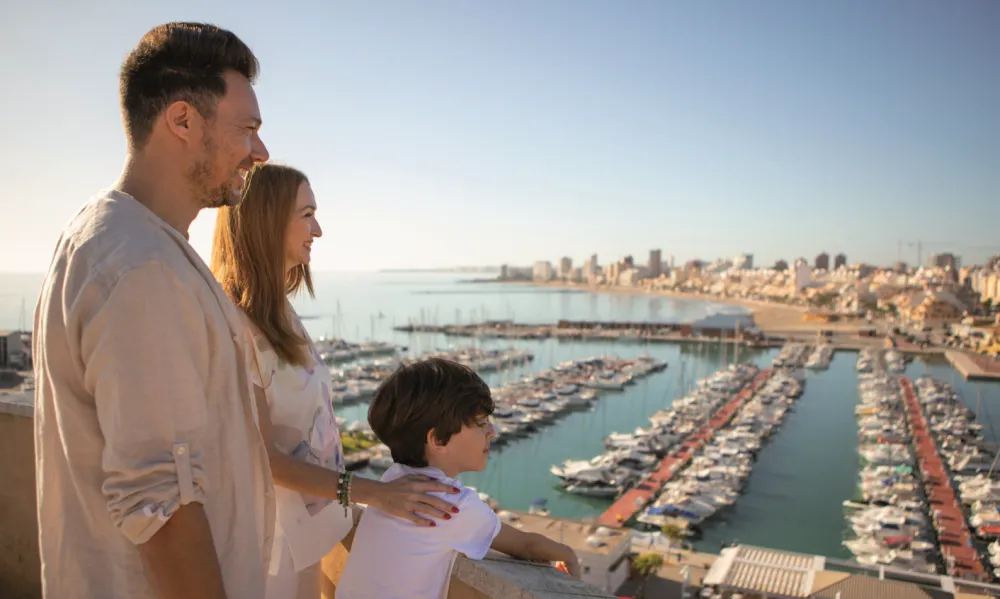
x,y
953,534
715,478
626,507
359,381
522,407
777,490
927,475
335,351
631,458
887,522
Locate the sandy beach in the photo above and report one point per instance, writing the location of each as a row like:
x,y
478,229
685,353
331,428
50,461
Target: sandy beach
x,y
772,318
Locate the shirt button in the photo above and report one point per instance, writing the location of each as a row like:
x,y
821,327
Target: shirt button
x,y
181,451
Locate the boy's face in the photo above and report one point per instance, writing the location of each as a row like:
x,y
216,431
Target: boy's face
x,y
468,450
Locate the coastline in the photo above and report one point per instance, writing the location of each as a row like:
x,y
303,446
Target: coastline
x,y
770,317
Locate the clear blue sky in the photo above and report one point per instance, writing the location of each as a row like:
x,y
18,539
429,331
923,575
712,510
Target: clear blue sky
x,y
443,133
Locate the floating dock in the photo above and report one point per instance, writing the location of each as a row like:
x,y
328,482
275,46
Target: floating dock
x,y
638,497
974,367
953,533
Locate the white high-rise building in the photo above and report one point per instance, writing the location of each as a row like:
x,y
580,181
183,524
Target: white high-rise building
x,y
542,271
743,262
629,276
803,274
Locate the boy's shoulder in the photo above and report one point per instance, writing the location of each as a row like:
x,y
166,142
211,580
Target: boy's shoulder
x,y
467,500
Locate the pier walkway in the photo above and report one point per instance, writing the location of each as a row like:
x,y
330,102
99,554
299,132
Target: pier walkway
x,y
952,530
974,367
625,508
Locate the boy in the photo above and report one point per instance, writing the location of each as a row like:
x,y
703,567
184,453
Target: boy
x,y
434,416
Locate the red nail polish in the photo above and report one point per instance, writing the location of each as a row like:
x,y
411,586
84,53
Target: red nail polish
x,y
433,523
447,516
454,510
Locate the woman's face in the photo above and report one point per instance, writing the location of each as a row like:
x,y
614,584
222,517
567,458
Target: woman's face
x,y
302,228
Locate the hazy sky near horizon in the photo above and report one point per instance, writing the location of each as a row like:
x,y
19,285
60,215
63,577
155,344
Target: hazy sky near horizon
x,y
445,133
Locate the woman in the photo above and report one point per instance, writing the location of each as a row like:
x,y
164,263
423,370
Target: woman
x,y
261,257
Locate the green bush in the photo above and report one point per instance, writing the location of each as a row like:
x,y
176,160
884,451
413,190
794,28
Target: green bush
x,y
353,442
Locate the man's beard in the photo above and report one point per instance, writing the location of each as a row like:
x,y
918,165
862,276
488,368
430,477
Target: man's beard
x,y
200,177
209,196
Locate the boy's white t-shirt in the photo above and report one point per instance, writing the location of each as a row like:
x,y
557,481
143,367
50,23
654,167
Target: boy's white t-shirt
x,y
392,558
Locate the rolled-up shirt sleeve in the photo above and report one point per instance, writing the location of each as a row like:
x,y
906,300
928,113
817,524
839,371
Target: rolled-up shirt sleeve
x,y
145,353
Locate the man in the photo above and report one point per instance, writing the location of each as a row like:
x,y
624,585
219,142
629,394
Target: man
x,y
152,478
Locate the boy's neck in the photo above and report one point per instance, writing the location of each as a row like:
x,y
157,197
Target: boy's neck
x,y
449,471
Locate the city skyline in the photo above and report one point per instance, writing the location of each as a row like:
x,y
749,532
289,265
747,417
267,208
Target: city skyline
x,y
790,128
823,260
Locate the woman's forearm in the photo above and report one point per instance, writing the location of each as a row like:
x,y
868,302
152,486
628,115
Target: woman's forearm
x,y
316,480
303,477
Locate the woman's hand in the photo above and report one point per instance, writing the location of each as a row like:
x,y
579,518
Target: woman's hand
x,y
407,498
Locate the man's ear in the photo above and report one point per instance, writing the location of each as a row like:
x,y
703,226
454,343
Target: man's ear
x,y
181,119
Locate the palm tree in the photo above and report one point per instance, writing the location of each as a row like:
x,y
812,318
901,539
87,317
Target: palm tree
x,y
672,532
646,565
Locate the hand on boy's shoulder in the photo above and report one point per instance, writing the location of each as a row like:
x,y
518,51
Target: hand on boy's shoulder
x,y
470,506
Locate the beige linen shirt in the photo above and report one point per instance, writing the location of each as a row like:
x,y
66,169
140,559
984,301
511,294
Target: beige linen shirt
x,y
143,403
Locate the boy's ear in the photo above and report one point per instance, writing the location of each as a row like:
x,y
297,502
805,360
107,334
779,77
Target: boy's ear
x,y
432,441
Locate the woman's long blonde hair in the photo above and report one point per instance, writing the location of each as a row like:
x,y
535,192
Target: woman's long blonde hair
x,y
248,257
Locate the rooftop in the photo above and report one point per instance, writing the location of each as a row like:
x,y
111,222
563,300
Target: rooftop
x,y
841,585
767,571
783,574
581,536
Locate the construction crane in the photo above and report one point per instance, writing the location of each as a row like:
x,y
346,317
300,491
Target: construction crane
x,y
920,245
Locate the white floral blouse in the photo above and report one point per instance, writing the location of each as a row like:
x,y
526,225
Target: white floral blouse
x,y
300,400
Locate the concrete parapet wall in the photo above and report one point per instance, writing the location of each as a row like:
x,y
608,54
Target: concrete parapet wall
x,y
495,577
20,572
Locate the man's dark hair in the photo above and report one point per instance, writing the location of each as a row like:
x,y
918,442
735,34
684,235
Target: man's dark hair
x,y
428,394
174,62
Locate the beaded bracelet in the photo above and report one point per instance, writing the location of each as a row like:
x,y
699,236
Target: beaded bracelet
x,y
344,485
